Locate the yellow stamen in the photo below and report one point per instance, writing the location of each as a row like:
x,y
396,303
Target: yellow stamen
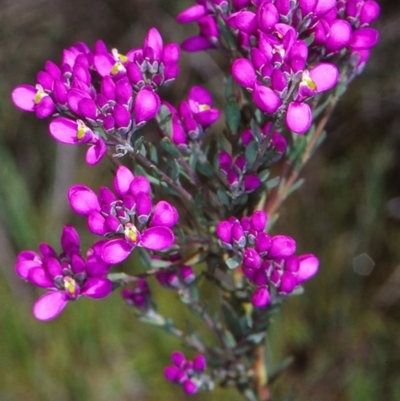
x,y
131,232
69,285
203,107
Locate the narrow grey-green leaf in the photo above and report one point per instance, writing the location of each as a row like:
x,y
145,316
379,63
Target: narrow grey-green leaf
x,y
169,147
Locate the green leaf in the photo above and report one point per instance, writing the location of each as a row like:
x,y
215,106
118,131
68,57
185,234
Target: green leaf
x,y
278,370
295,186
251,153
160,264
232,320
263,175
164,119
153,153
169,147
223,197
257,338
226,33
318,110
228,87
249,393
273,182
206,169
138,144
145,258
233,262
117,276
255,129
232,112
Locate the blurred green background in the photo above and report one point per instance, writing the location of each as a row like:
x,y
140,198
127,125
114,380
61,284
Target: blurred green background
x,y
344,333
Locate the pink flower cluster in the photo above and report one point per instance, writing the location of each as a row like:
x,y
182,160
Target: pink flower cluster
x,y
127,217
189,374
193,117
67,276
139,296
175,277
101,94
284,42
233,171
268,262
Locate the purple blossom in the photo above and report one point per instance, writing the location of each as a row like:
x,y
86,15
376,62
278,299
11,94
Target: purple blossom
x,y
233,172
268,262
101,94
189,374
67,275
139,296
127,217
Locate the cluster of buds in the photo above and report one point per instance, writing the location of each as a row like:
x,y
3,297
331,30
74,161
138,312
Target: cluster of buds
x,y
233,171
176,277
193,117
189,374
139,296
284,42
268,262
127,217
67,275
101,95
277,145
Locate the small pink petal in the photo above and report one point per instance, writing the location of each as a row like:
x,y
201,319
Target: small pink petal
x,y
97,287
325,76
308,267
96,152
298,117
164,214
244,73
83,200
49,305
157,238
23,97
122,181
191,14
266,99
115,251
196,43
146,106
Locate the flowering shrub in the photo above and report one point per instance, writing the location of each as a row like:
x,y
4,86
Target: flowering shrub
x,y
198,204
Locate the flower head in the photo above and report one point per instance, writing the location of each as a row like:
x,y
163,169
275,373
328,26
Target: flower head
x,y
67,275
127,217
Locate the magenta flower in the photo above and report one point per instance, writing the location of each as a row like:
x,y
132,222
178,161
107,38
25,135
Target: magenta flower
x,y
268,262
67,276
233,172
101,94
189,374
72,132
29,98
139,296
127,217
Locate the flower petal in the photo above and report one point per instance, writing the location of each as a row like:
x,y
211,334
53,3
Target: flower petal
x,y
266,99
23,97
298,117
325,76
70,240
83,200
97,287
244,73
157,238
122,181
115,251
308,267
282,246
49,305
96,152
164,214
